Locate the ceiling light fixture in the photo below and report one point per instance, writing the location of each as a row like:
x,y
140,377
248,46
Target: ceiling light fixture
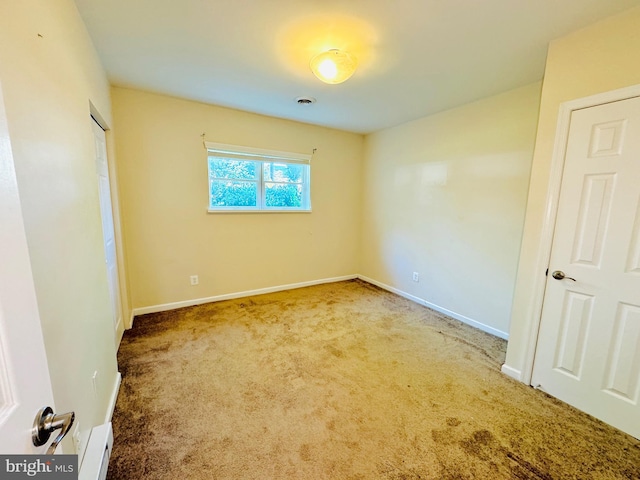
x,y
333,66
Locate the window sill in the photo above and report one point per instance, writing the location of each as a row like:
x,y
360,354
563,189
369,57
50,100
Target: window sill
x,y
239,210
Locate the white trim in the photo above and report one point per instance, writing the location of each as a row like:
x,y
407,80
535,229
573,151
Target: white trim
x,y
261,291
99,119
511,372
551,208
229,296
256,154
257,210
433,306
114,397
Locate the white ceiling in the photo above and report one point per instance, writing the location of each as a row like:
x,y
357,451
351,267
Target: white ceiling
x,y
416,57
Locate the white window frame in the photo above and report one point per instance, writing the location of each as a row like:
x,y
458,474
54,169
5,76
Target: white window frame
x,y
259,156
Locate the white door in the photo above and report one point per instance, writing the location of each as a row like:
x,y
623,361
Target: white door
x,y
588,351
25,385
108,233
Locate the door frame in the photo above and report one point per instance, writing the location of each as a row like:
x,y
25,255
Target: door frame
x,y
126,313
551,210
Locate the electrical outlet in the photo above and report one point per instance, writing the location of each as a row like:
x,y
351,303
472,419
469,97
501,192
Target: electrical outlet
x,y
77,439
194,280
94,381
416,277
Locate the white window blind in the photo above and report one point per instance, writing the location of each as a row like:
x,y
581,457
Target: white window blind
x,y
256,154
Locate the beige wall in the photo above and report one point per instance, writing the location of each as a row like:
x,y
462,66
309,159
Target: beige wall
x,y
599,58
168,233
445,196
50,72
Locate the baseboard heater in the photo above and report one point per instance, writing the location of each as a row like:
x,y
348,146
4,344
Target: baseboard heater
x,y
96,457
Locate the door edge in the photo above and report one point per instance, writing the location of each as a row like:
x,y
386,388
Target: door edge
x,y
551,210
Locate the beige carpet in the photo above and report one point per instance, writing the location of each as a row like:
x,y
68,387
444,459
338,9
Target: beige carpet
x,y
340,381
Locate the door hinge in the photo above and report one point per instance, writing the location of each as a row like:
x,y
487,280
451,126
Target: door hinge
x,y
546,274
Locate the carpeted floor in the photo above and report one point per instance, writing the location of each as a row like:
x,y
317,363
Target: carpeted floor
x,y
340,381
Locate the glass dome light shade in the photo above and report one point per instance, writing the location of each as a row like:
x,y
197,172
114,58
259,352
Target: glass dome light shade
x,y
333,66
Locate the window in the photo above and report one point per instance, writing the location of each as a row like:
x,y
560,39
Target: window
x,y
251,179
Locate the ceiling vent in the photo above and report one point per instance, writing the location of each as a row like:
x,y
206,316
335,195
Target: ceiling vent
x,y
305,100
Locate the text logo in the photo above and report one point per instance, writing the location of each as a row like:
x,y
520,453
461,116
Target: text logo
x,y
51,467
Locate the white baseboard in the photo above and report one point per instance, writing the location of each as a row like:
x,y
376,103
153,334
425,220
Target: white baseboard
x,y
229,296
437,308
261,291
113,398
511,372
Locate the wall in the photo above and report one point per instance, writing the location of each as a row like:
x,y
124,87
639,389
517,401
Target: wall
x,y
168,233
596,59
50,72
445,196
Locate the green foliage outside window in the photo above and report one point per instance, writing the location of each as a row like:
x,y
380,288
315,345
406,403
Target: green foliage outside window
x,y
234,169
233,194
282,195
234,183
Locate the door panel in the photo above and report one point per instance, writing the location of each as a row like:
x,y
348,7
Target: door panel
x,y
633,262
574,323
623,367
25,385
108,232
588,351
595,210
